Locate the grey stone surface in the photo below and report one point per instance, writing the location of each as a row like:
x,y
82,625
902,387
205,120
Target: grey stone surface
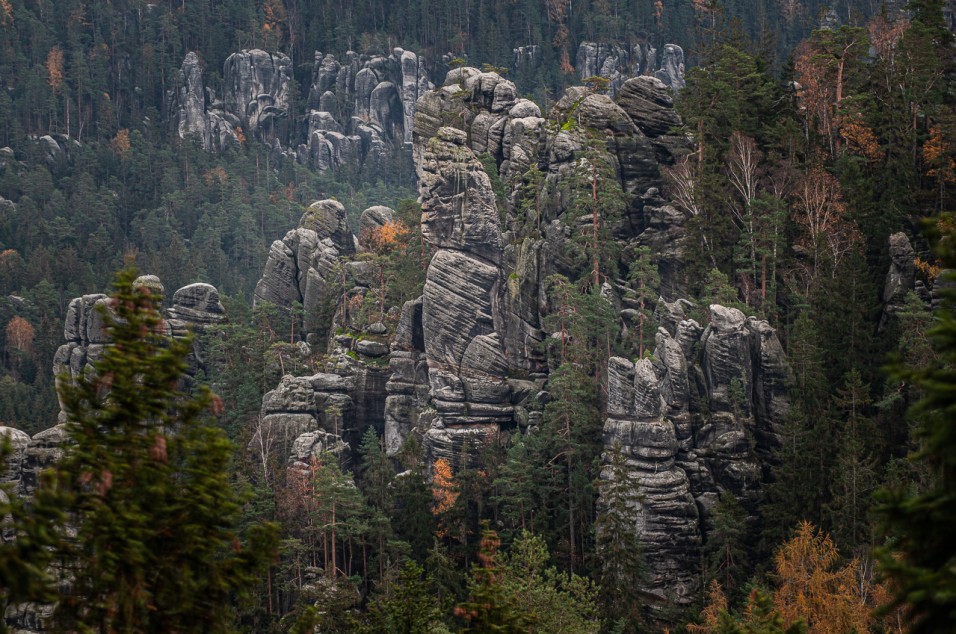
x,y
373,218
619,62
699,419
900,278
256,90
649,104
301,266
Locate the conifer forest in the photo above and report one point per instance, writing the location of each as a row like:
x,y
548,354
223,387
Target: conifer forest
x,y
522,316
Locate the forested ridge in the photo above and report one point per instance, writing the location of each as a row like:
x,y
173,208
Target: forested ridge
x,y
494,468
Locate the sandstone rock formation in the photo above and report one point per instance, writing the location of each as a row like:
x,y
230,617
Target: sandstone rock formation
x,y
697,421
196,118
466,363
359,111
618,62
301,266
901,277
256,90
373,218
255,98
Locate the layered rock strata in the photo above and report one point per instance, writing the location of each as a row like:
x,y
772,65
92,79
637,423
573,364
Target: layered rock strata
x,y
694,423
301,266
618,62
467,368
359,111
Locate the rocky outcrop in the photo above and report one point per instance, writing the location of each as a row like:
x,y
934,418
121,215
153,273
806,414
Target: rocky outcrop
x,y
698,420
485,106
901,277
256,91
195,307
255,98
359,111
304,416
408,386
671,71
195,116
362,108
466,362
663,510
374,218
618,62
301,266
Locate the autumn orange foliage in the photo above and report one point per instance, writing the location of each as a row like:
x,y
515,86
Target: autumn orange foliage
x,y
54,68
120,143
20,334
716,603
815,588
860,139
6,13
444,489
384,239
938,154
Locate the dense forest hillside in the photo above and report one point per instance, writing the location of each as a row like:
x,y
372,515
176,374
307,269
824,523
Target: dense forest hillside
x,y
537,315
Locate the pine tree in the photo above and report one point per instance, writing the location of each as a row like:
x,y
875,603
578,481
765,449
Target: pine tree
x,y
407,605
920,556
148,486
726,556
645,283
855,477
489,608
621,571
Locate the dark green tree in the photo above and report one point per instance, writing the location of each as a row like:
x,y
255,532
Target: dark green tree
x,y
148,487
621,564
405,605
489,608
920,556
726,554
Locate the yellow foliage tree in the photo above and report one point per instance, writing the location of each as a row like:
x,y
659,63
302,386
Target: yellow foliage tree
x,y
54,68
120,143
814,588
710,617
444,488
20,335
6,13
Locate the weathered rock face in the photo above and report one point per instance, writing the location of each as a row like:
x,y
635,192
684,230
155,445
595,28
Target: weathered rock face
x,y
697,421
196,118
617,63
194,308
256,90
664,513
359,111
901,277
671,71
304,416
255,98
19,441
374,218
465,357
486,108
300,267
